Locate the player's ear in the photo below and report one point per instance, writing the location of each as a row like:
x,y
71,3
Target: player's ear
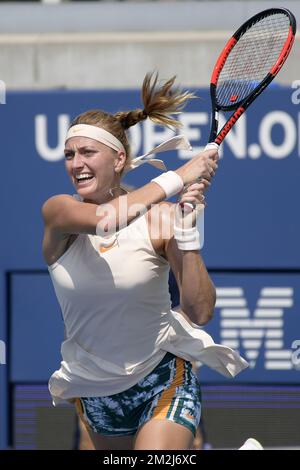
x,y
120,161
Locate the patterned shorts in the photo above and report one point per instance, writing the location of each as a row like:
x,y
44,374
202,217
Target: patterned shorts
x,y
171,391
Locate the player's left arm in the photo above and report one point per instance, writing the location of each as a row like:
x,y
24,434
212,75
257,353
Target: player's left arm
x,y
197,291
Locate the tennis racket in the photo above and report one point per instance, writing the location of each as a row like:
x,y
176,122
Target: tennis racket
x,y
250,60
248,63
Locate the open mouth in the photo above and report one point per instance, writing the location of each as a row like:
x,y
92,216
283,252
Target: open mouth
x,y
84,179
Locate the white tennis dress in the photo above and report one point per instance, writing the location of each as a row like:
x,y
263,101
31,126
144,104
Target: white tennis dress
x,y
119,324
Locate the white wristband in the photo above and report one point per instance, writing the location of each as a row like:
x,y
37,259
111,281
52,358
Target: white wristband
x,y
187,239
170,182
191,238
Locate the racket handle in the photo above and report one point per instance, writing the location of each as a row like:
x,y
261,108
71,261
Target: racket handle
x,y
188,206
212,146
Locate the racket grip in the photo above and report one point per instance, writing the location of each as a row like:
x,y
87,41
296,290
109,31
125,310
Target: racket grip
x,y
188,206
212,146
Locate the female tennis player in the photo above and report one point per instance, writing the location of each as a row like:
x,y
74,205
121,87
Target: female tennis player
x,y
125,357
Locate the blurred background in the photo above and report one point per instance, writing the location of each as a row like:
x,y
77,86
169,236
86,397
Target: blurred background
x,y
59,58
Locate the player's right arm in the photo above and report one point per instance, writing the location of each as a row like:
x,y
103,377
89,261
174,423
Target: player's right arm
x,y
64,216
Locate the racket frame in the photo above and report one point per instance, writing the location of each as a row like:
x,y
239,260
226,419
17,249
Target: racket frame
x,y
240,107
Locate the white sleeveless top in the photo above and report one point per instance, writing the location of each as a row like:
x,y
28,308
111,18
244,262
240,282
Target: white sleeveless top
x,y
117,312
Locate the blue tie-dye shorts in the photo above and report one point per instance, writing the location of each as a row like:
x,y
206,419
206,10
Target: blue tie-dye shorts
x,y
171,391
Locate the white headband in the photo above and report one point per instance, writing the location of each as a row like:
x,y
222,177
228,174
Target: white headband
x,y
178,142
96,133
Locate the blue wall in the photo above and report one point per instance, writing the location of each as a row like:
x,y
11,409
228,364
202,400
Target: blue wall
x,y
252,227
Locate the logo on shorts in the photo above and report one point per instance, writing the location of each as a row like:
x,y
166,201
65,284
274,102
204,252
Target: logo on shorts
x,y
188,416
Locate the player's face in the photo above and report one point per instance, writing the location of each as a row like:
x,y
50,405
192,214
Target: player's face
x,y
91,167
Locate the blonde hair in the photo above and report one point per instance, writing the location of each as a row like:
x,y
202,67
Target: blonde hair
x,y
161,103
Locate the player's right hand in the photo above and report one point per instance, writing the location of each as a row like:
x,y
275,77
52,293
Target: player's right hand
x,y
200,168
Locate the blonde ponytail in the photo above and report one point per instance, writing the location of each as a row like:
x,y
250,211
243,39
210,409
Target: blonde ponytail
x,y
160,103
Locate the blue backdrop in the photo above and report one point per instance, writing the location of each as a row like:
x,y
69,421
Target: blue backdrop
x,y
251,228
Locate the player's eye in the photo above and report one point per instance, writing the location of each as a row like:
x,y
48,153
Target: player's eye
x,y
69,155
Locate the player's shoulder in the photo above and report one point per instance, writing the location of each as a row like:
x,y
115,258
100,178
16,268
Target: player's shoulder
x,y
55,203
58,199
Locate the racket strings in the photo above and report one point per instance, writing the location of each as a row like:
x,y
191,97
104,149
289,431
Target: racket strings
x,y
252,58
